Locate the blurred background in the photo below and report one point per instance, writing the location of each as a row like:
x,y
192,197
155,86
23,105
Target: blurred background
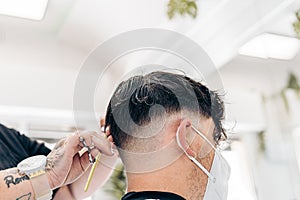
x,y
253,44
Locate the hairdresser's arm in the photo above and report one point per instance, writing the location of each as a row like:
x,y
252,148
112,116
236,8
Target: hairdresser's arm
x,y
18,187
78,167
76,190
102,173
15,186
64,166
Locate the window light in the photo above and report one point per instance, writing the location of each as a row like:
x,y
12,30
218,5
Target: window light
x,y
30,9
271,46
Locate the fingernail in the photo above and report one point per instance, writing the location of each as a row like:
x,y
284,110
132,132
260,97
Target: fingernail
x,y
188,124
102,128
112,151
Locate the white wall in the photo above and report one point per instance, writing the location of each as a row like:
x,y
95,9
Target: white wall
x,y
246,79
40,73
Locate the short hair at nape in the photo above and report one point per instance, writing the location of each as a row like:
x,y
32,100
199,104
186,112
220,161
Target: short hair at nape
x,y
132,101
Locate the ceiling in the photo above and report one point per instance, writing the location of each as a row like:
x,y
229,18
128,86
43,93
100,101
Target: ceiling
x,y
77,27
43,57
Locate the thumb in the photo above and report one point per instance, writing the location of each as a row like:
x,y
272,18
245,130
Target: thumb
x,y
103,145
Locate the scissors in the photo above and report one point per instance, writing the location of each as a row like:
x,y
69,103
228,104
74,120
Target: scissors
x,y
93,161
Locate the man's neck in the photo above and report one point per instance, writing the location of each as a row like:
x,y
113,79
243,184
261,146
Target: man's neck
x,y
186,181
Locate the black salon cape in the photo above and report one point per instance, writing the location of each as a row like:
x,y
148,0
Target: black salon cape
x,y
15,147
152,195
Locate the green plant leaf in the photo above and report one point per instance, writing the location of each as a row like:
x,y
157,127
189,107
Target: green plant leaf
x,y
296,24
182,7
293,82
261,142
298,15
192,9
116,185
285,100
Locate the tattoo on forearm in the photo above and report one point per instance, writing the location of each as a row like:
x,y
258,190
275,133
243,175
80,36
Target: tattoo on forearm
x,y
55,154
10,180
11,171
24,197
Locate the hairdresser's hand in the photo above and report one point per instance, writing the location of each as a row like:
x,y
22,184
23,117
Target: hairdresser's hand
x,y
65,165
109,136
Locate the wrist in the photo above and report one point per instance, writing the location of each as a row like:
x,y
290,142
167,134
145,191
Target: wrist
x,y
41,187
50,182
34,168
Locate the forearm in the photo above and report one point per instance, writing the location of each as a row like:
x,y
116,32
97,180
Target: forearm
x,y
102,173
14,186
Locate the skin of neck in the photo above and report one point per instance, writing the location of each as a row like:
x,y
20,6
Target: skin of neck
x,y
182,176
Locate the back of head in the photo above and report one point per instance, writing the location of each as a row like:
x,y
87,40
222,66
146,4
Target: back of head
x,y
141,100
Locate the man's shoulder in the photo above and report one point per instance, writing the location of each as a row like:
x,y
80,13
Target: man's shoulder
x,y
151,195
5,130
8,133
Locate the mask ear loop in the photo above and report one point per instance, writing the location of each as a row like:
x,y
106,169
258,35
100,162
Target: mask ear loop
x,y
207,140
211,177
216,151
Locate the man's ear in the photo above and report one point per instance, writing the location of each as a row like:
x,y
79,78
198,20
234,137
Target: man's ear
x,y
183,129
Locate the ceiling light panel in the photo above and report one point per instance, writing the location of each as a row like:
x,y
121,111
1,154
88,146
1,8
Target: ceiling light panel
x,y
29,9
271,46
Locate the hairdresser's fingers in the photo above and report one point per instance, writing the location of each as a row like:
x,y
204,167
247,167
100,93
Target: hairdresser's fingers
x,y
102,144
102,125
102,121
95,152
91,139
85,160
110,138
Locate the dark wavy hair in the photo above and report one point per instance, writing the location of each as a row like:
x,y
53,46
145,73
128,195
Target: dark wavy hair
x,y
133,99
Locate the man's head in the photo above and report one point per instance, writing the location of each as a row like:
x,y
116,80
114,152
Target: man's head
x,y
131,106
150,117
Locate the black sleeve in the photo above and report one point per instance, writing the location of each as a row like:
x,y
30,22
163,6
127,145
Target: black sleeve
x,y
19,147
22,144
33,147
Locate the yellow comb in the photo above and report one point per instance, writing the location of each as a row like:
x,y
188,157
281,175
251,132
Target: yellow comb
x,y
95,164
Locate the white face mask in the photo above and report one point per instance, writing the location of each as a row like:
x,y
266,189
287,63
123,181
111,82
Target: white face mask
x,y
217,185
